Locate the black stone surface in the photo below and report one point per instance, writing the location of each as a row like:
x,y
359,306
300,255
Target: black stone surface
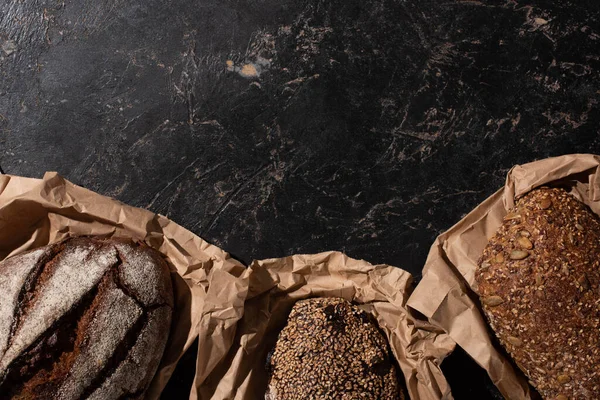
x,y
363,126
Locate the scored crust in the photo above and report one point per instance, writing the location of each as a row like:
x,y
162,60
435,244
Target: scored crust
x,y
539,281
81,313
330,349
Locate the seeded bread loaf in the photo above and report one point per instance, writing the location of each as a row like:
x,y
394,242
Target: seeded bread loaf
x,y
539,284
83,318
330,349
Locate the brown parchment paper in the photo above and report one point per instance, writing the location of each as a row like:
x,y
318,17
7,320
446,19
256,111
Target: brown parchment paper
x,y
36,212
276,284
447,293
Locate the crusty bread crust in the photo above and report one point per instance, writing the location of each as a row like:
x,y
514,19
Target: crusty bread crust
x,y
331,349
84,318
539,282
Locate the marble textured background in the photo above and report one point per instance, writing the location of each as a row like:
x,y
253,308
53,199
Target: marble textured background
x,y
278,127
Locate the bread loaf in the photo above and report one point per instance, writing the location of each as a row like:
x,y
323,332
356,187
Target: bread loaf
x,y
83,318
331,349
539,284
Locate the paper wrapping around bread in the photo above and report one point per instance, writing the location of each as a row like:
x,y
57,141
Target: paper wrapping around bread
x,y
447,293
36,212
276,284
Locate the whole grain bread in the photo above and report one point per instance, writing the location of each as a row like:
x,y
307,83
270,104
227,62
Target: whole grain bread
x,y
539,285
83,318
331,349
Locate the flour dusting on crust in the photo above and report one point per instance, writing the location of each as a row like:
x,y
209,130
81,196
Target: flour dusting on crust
x,y
68,284
13,275
129,378
117,314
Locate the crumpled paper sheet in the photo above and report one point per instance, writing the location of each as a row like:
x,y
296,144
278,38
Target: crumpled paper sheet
x,y
276,284
36,212
447,294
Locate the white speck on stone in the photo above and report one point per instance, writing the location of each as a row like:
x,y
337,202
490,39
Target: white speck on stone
x,y
250,70
9,47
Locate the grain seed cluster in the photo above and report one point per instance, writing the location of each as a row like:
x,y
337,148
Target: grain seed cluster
x,y
539,284
331,349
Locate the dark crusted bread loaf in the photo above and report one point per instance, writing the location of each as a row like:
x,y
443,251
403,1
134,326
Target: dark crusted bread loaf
x,y
539,283
330,349
83,318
